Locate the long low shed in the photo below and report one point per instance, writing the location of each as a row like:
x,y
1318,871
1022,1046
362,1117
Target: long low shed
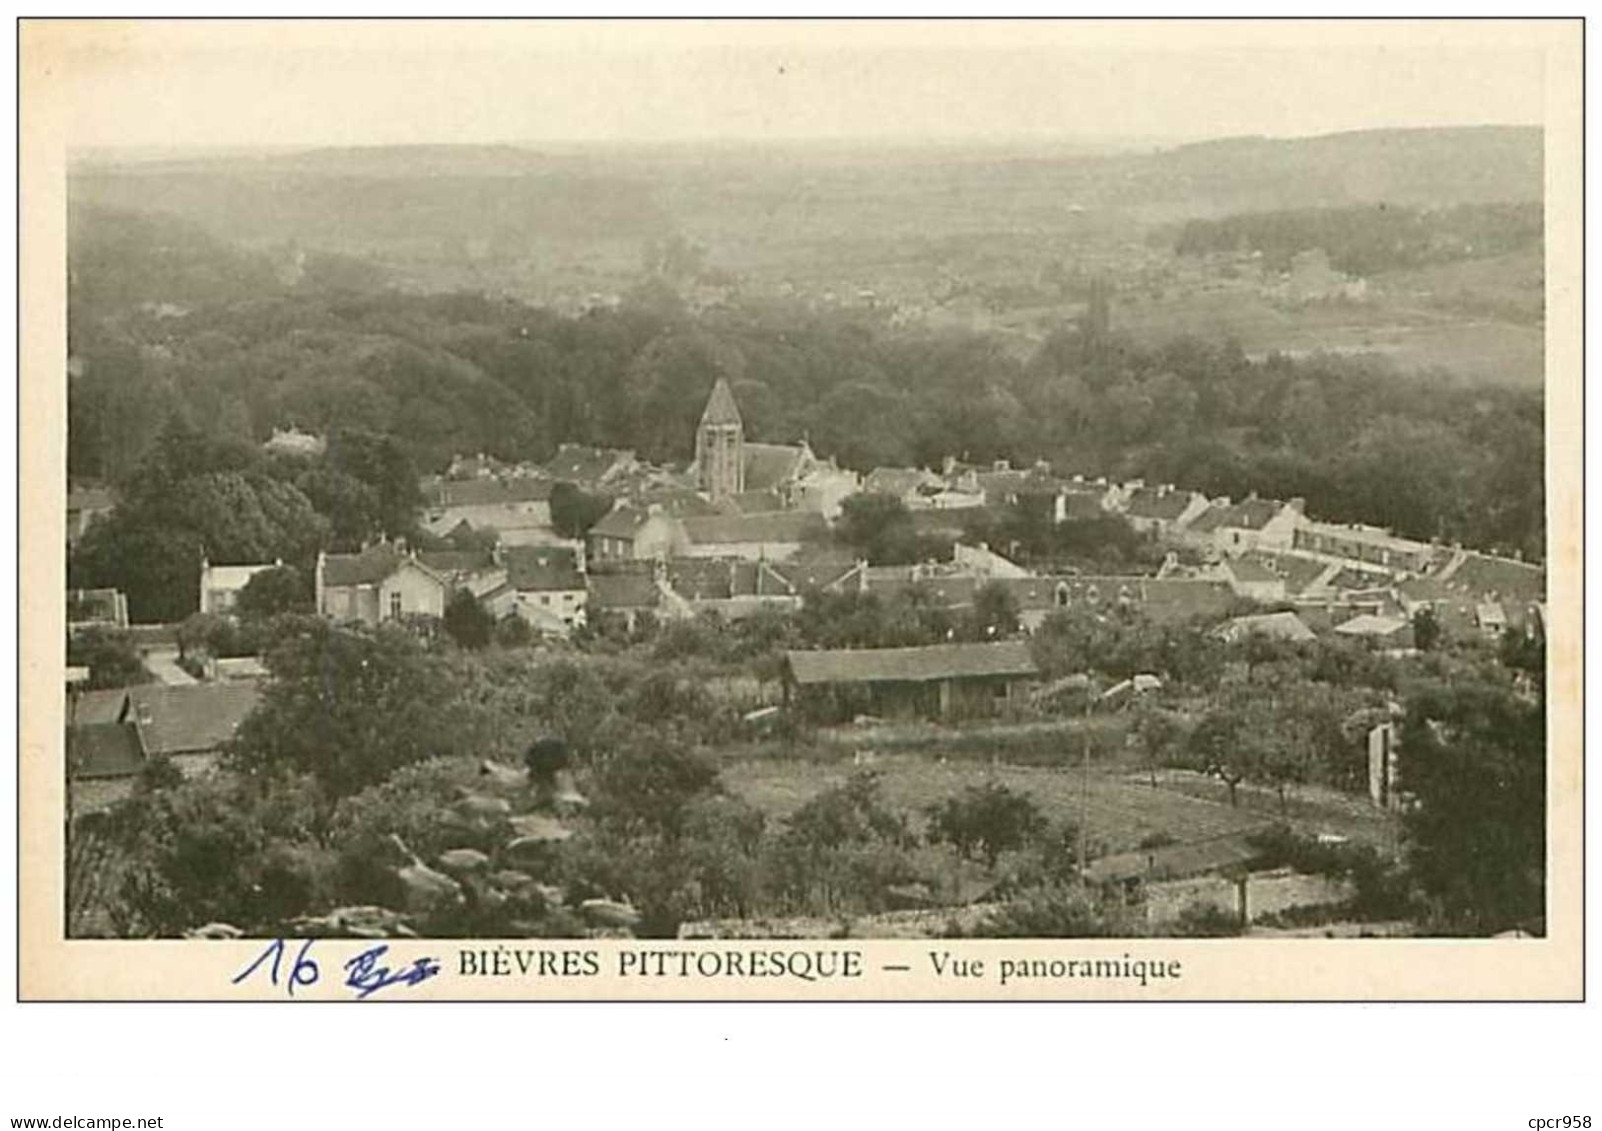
x,y
937,680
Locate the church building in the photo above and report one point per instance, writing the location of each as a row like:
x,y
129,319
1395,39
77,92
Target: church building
x,y
720,447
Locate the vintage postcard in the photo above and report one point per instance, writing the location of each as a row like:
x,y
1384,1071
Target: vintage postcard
x,y
801,510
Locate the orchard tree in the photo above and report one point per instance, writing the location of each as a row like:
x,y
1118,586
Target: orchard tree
x,y
985,821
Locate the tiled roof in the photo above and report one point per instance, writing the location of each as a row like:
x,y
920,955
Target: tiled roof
x,y
758,502
768,465
935,661
720,406
1481,573
492,492
712,579
542,568
621,521
1298,572
622,591
173,719
106,750
817,575
579,463
680,502
1249,514
1247,569
785,526
369,567
457,562
1154,503
1174,598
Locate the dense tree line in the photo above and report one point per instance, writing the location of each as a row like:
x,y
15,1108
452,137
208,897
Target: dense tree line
x,y
1370,239
458,373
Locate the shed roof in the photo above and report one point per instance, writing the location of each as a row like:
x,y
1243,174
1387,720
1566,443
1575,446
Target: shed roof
x,y
912,665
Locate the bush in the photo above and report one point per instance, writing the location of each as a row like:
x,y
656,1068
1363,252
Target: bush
x,y
985,821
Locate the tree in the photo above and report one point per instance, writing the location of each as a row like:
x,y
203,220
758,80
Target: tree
x,y
574,510
110,656
1426,629
350,706
1474,759
995,613
986,821
282,589
879,528
468,622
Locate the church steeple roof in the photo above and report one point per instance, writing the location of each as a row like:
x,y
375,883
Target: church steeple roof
x,y
720,407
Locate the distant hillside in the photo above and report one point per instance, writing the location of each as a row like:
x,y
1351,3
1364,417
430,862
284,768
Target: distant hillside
x,y
1422,167
535,222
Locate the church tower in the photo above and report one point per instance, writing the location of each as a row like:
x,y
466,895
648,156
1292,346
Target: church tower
x,y
720,446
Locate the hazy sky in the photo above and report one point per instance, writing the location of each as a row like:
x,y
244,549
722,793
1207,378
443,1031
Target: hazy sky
x,y
153,84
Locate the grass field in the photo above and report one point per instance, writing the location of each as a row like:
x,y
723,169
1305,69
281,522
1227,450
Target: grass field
x,y
1121,814
1122,810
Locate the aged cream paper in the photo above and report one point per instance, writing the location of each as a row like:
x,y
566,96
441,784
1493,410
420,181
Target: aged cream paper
x,y
69,72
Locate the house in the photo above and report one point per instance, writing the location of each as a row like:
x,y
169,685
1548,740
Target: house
x,y
1160,600
820,486
113,735
629,533
731,587
904,483
85,505
292,441
944,681
629,595
1161,512
1248,576
517,508
815,576
1369,544
756,537
383,582
590,468
1252,524
1275,626
477,571
981,561
220,586
89,609
549,585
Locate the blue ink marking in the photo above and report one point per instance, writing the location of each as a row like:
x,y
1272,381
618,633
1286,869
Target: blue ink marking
x,y
366,976
303,973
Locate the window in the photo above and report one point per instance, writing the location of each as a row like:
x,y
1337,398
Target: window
x,y
1062,596
395,606
545,599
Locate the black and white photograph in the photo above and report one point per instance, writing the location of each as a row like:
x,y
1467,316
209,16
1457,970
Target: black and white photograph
x,y
701,505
